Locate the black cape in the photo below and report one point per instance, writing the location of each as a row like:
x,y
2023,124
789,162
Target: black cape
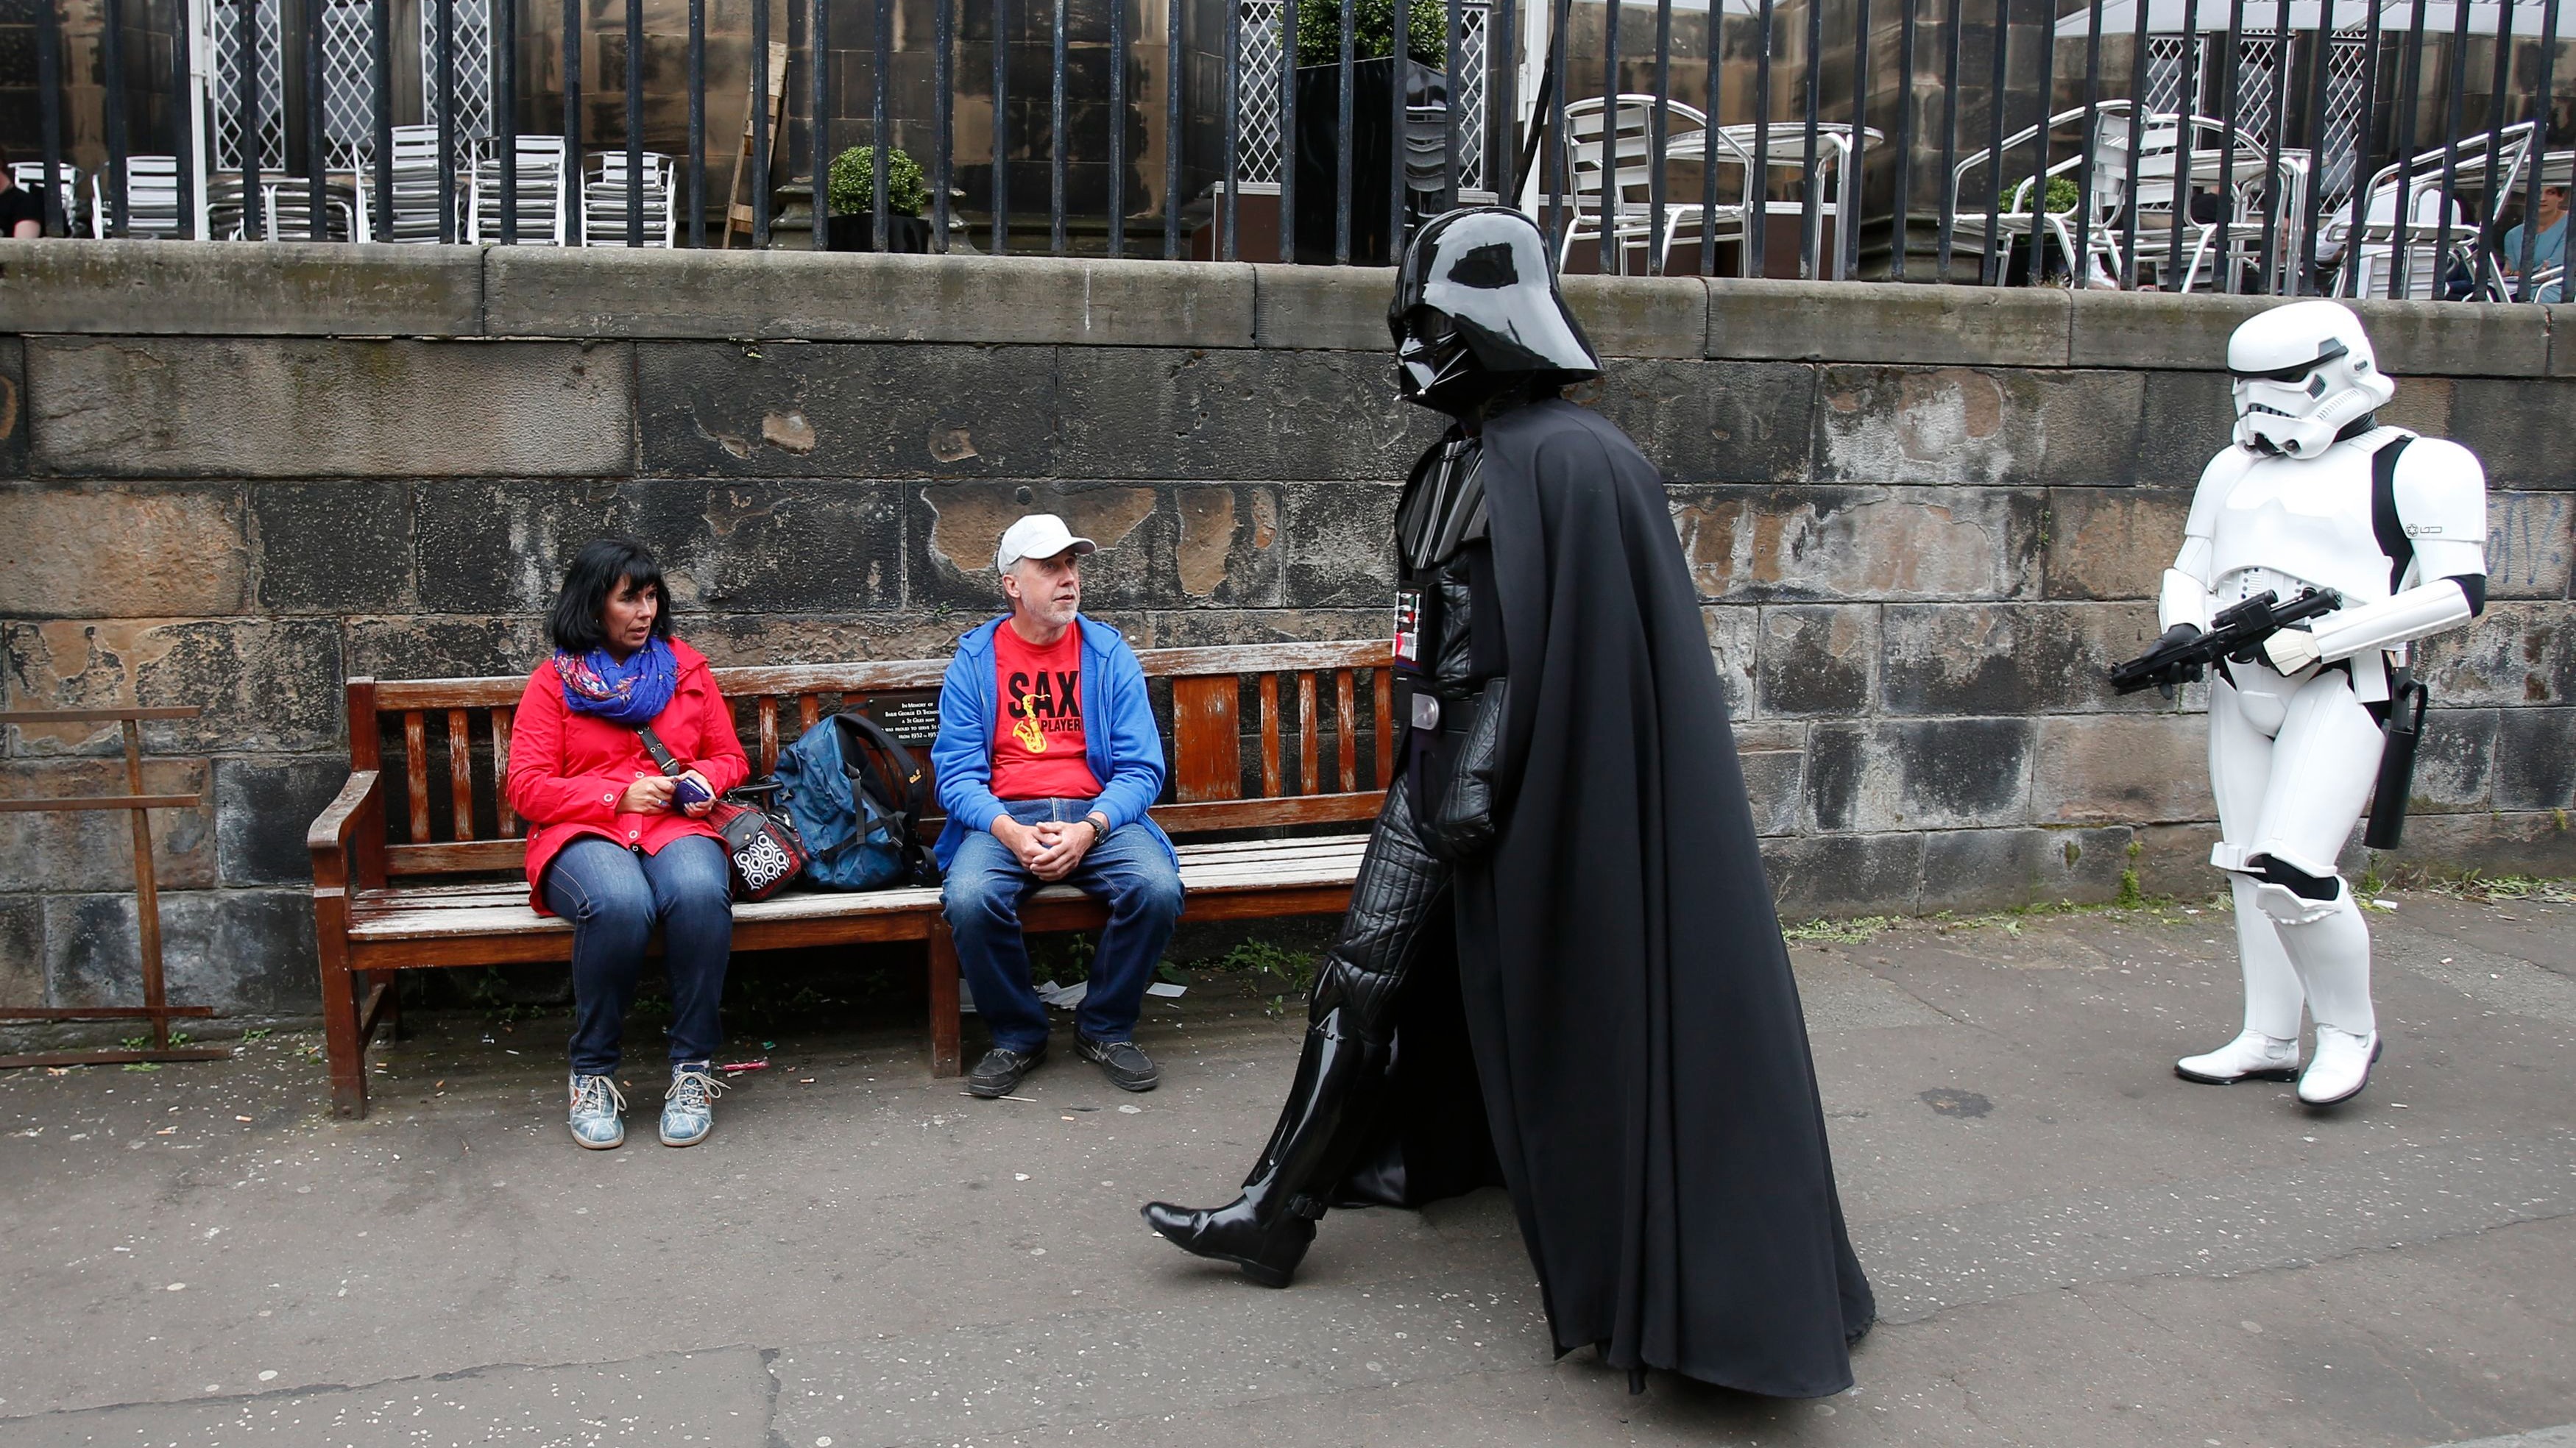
x,y
1637,1034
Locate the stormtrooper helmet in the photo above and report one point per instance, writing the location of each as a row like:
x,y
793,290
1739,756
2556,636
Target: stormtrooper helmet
x,y
2303,373
1476,313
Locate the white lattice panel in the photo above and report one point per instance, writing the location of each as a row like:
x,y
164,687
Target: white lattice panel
x,y
472,24
2259,58
1263,72
270,68
2346,60
349,82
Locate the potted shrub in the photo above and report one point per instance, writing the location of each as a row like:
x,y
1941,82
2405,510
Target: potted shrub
x,y
1374,148
851,193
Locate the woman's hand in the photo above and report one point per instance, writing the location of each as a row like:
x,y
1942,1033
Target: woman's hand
x,y
648,795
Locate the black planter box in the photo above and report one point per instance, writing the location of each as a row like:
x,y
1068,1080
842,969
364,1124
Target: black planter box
x,y
855,231
1373,153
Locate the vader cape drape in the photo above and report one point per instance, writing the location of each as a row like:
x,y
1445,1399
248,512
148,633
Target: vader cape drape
x,y
1637,1033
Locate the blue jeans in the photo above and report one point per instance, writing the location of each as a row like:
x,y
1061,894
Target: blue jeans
x,y
1128,871
614,897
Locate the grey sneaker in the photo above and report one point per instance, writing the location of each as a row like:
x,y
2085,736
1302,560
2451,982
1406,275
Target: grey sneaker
x,y
596,1104
688,1108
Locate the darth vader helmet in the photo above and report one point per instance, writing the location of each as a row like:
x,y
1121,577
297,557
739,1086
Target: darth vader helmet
x,y
1476,313
2302,374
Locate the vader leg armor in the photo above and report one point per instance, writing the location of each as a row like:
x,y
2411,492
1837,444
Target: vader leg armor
x,y
2314,495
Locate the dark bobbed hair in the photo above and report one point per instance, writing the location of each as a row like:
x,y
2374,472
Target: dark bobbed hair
x,y
596,570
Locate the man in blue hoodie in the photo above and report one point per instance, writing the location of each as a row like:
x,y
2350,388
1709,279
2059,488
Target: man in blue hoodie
x,y
1047,760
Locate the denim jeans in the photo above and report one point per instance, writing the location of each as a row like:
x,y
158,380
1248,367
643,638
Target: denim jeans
x,y
1128,871
614,897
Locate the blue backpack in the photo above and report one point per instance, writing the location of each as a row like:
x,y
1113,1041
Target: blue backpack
x,y
861,822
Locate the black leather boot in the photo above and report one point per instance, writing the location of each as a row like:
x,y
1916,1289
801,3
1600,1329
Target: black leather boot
x,y
1330,1105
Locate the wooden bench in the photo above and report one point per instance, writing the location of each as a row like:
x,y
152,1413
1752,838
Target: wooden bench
x,y
419,860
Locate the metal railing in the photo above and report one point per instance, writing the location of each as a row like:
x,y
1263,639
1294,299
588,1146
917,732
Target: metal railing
x,y
2271,146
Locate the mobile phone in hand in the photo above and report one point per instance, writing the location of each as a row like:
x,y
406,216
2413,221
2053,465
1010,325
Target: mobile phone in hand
x,y
686,792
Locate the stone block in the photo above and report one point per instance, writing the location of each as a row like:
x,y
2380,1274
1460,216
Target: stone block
x,y
2122,769
1813,875
1756,318
287,408
956,526
2111,543
2529,538
2000,869
1748,544
1918,774
1818,658
333,547
2173,862
2541,843
244,952
1341,545
1124,413
434,646
1735,647
139,550
2514,427
2184,418
1204,628
791,545
2535,759
1774,781
266,685
94,850
221,288
262,808
2154,330
2442,339
2515,653
1887,425
1638,316
1337,309
22,950
2012,658
1714,422
13,408
866,297
734,639
2454,763
844,410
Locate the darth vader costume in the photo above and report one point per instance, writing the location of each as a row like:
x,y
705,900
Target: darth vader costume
x,y
1560,969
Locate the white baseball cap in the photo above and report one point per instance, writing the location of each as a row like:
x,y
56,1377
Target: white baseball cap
x,y
1039,535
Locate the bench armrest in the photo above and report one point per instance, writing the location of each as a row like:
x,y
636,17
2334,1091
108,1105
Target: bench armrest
x,y
328,836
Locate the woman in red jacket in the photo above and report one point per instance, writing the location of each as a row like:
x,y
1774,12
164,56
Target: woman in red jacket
x,y
617,847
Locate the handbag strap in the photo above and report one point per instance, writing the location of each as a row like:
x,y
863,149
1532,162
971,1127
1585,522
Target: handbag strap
x,y
661,752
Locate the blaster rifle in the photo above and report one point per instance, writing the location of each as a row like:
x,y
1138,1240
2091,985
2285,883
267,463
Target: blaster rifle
x,y
2237,633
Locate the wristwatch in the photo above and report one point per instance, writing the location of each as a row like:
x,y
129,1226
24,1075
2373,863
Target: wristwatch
x,y
1099,825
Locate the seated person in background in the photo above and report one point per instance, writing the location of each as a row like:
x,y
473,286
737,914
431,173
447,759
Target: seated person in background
x,y
1047,759
2548,249
22,212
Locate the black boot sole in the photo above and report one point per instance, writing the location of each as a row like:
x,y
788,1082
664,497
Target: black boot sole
x,y
1259,1271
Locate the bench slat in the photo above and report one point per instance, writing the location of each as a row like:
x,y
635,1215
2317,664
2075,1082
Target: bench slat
x,y
416,772
501,771
1207,739
1270,771
460,772
1346,738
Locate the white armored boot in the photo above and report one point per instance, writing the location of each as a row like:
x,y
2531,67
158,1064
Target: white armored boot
x,y
2252,1056
2340,1067
2330,947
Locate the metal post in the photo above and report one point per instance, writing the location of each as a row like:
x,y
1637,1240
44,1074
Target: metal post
x,y
634,122
2363,146
1342,147
819,88
943,137
2186,138
879,131
2495,127
1453,145
505,98
49,106
760,158
697,121
1502,162
1118,115
1225,238
248,103
1172,139
384,117
1955,24
2539,145
316,148
111,59
1560,175
1708,142
1001,126
2229,87
2410,83
1288,130
1657,138
1399,53
1757,185
1990,269
1810,205
2082,261
2272,173
2039,147
1055,139
446,40
1848,183
2451,120
1904,186
183,124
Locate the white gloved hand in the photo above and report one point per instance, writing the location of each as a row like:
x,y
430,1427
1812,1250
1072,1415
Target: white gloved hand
x,y
2291,650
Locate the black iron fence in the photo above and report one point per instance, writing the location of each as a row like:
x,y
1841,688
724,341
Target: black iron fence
x,y
2355,147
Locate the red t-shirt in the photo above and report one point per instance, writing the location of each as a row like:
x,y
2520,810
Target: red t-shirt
x,y
1037,735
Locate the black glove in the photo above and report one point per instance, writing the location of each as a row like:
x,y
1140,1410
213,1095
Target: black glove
x,y
2192,673
1461,822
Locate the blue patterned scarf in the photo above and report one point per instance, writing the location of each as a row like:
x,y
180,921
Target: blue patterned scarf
x,y
631,693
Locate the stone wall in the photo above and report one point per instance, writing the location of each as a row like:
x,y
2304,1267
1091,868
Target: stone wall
x,y
1922,521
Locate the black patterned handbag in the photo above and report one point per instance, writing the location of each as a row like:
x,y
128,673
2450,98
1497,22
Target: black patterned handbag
x,y
761,843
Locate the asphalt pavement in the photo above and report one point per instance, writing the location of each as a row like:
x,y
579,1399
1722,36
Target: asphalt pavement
x,y
2070,1246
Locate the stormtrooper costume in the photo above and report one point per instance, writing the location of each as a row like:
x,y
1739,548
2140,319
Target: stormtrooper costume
x,y
2312,493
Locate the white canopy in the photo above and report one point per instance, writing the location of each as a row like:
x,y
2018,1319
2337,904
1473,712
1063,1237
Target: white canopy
x,y
2165,17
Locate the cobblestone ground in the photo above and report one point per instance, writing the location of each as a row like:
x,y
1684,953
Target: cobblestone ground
x,y
2070,1245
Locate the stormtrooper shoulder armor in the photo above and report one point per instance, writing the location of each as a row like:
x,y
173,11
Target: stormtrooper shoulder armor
x,y
2440,497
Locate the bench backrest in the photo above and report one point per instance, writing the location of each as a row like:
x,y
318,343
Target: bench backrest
x,y
1238,757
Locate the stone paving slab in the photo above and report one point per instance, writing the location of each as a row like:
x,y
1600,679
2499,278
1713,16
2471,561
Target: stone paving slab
x,y
2071,1247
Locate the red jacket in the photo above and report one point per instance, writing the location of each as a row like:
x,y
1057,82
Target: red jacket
x,y
568,770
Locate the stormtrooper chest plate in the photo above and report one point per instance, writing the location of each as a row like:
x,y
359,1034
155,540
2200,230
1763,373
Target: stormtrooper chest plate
x,y
2287,523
